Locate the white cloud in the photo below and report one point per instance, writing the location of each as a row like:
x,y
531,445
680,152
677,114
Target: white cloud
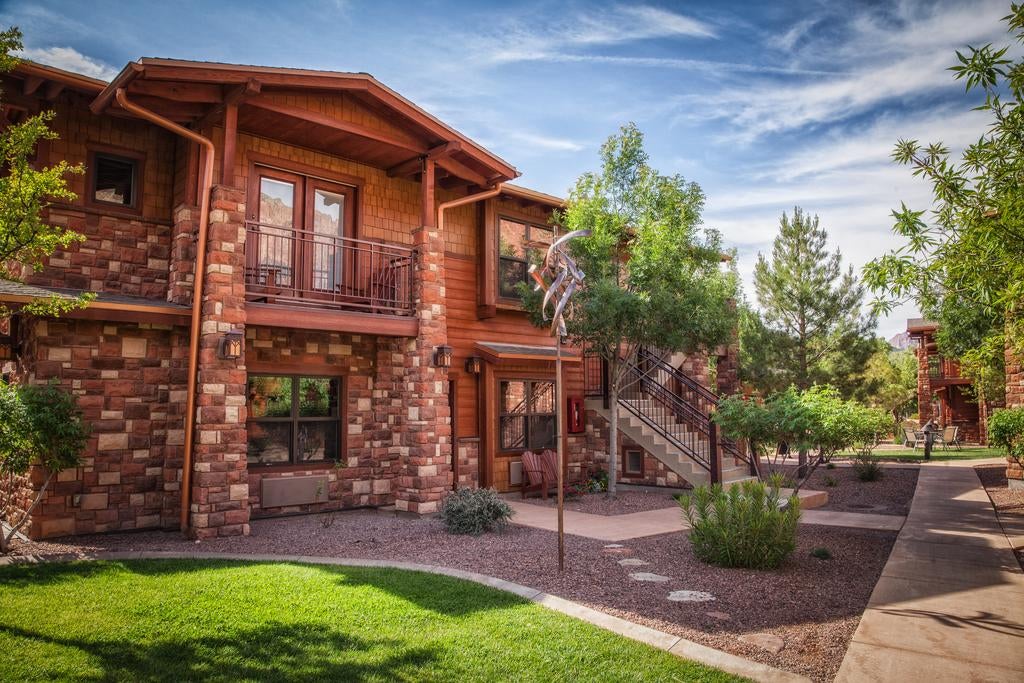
x,y
70,59
703,65
526,40
544,142
883,58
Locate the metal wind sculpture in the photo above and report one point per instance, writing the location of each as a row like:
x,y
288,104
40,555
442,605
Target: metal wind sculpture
x,y
559,277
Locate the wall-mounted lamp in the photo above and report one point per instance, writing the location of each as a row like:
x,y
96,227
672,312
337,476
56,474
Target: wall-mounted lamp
x,y
6,338
443,356
232,345
473,365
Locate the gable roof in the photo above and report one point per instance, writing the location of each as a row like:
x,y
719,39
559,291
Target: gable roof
x,y
188,90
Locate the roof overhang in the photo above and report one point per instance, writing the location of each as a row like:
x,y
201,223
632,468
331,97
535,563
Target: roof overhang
x,y
105,306
496,352
195,93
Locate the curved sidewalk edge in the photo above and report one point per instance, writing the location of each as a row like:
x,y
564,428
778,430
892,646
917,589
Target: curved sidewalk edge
x,y
682,648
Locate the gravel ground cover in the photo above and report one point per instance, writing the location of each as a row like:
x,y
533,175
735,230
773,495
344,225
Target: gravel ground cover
x,y
890,495
624,503
810,607
1008,503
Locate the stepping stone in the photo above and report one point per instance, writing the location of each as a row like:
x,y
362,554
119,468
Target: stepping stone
x,y
719,616
617,551
614,545
632,562
647,576
690,596
766,641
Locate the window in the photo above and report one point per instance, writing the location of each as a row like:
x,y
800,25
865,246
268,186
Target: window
x,y
935,367
519,243
114,179
634,461
293,419
526,415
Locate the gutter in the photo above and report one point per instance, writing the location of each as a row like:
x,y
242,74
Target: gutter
x,y
197,285
468,199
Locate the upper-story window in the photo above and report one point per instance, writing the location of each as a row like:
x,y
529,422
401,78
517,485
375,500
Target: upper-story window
x,y
519,244
115,180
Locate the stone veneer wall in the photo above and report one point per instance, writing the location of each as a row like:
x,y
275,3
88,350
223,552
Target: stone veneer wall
x,y
129,381
1014,399
597,438
371,459
468,454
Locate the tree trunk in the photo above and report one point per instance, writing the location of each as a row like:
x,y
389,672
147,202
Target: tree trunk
x,y
801,471
613,429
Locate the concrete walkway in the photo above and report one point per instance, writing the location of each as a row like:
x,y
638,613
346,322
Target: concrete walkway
x,y
680,647
669,520
949,605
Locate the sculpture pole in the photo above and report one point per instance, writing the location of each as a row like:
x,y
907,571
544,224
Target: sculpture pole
x,y
565,277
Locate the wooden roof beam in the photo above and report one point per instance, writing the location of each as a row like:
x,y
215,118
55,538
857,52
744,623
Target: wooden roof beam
x,y
262,102
415,164
206,93
32,84
462,171
236,95
52,90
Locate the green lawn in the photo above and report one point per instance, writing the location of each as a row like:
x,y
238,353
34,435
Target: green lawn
x,y
171,620
968,453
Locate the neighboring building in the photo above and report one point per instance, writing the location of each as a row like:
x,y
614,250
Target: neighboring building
x,y
358,341
942,393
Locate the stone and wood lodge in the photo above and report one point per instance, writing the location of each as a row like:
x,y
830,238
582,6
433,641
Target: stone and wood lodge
x,y
358,341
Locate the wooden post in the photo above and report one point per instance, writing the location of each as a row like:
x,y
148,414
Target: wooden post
x,y
714,453
227,168
559,417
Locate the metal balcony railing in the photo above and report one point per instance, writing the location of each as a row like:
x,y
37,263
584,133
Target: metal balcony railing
x,y
286,266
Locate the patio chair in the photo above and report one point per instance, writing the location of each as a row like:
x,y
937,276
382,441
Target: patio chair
x,y
951,437
912,438
549,460
536,477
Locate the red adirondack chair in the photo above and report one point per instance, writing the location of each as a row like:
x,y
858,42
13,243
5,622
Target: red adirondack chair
x,y
536,478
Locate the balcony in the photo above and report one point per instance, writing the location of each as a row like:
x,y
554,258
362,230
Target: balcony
x,y
291,275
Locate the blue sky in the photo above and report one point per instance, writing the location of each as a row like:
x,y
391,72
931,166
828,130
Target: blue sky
x,y
765,105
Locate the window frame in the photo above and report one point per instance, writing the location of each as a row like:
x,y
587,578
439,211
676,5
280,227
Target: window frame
x,y
138,161
626,471
530,224
295,420
500,413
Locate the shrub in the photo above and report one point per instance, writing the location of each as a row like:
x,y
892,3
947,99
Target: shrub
x,y
41,425
747,526
474,511
830,481
1006,431
830,466
780,480
866,467
821,553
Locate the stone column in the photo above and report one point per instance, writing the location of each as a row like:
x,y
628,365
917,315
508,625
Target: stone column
x,y
183,254
220,489
426,437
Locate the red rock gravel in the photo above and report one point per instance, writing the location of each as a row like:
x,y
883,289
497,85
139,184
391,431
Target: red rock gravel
x,y
890,495
813,605
1009,504
624,502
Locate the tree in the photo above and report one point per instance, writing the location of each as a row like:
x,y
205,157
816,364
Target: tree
x,y
890,382
653,274
39,424
815,422
25,239
810,329
965,266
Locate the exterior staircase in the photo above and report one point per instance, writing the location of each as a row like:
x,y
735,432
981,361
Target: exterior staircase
x,y
668,414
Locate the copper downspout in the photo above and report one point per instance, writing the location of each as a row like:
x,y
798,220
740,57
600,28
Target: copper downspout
x,y
197,289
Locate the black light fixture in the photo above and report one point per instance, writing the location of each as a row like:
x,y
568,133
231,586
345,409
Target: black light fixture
x,y
232,345
443,356
473,365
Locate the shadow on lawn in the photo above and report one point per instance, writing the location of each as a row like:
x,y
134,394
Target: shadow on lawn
x,y
273,652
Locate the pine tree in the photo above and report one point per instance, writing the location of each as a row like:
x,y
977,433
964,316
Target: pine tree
x,y
810,329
